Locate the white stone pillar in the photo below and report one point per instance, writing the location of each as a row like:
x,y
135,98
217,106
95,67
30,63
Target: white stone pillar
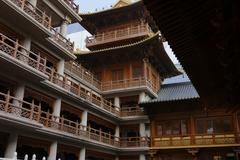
x,y
33,2
63,28
53,151
57,107
27,43
84,119
142,130
117,103
11,145
117,133
142,156
82,154
19,95
25,52
142,96
60,67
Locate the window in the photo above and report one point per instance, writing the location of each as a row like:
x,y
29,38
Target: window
x,y
214,125
184,127
117,74
200,126
174,127
98,76
137,72
159,130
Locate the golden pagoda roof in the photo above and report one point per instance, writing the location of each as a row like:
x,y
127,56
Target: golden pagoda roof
x,y
163,63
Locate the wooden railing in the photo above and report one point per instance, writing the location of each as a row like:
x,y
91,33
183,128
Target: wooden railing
x,y
132,111
46,21
60,39
14,49
119,34
14,106
18,52
77,89
196,140
88,76
83,74
134,142
72,5
22,109
34,12
128,83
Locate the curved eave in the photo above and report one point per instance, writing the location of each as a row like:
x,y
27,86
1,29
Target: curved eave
x,y
117,48
199,34
167,68
169,101
89,19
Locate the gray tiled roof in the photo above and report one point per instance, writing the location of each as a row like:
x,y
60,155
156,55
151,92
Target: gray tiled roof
x,y
177,91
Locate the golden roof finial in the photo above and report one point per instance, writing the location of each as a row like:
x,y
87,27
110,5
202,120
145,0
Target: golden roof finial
x,y
122,3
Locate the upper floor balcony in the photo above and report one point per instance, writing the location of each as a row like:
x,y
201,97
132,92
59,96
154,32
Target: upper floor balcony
x,y
18,54
30,59
110,86
130,84
72,5
132,111
38,15
115,36
76,88
62,41
69,8
23,110
36,22
198,140
83,74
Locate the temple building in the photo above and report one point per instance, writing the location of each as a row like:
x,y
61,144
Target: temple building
x,y
123,99
60,105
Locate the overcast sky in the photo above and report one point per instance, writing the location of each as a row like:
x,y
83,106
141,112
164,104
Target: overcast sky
x,y
92,5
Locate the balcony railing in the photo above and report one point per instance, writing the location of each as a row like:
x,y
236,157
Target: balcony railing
x,y
128,83
88,77
83,74
61,40
18,52
196,140
22,109
45,20
72,5
34,12
134,142
119,34
132,111
66,83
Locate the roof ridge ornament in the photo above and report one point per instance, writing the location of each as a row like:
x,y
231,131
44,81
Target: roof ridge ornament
x,y
122,3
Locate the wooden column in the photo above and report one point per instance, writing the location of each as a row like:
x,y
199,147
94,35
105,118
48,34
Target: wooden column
x,y
145,61
130,71
150,72
192,128
236,126
153,132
